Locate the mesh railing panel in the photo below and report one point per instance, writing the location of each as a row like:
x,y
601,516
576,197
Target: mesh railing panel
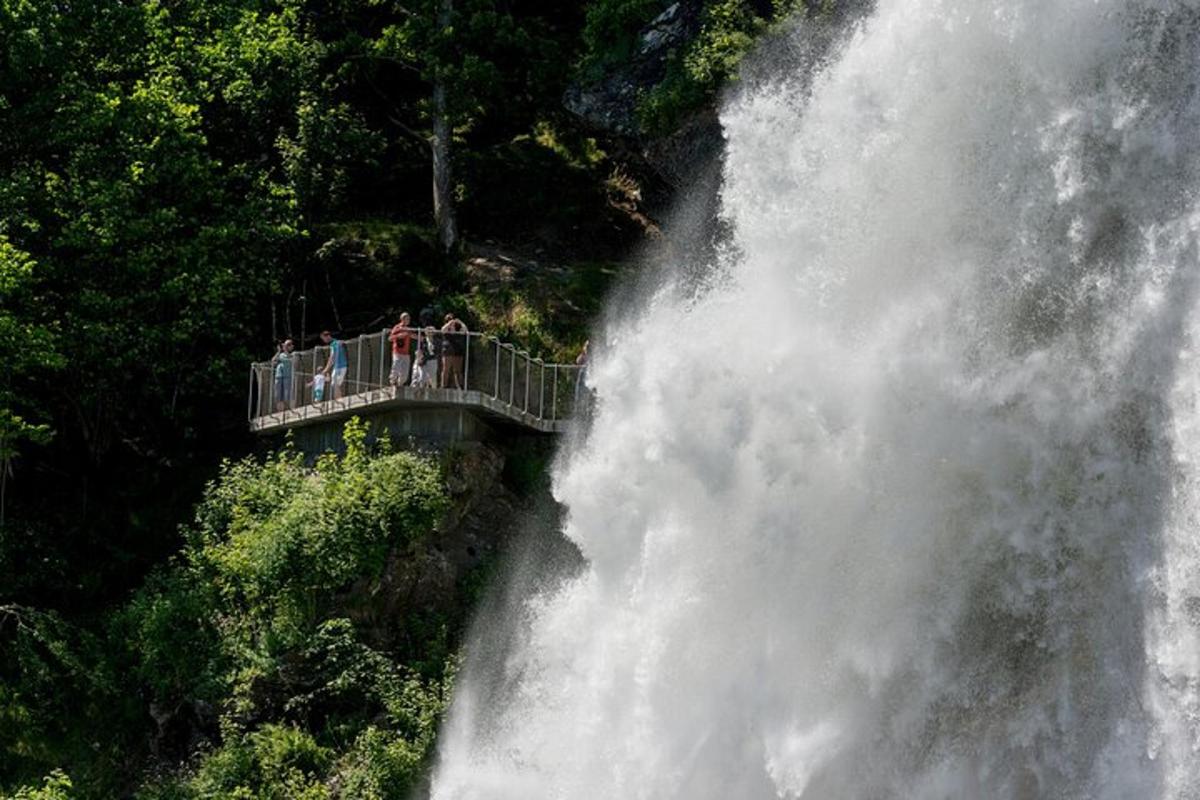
x,y
490,367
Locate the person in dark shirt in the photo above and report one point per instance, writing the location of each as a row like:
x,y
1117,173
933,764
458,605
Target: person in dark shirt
x,y
425,371
454,349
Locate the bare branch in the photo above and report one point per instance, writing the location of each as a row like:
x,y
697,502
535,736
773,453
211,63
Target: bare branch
x,y
399,62
399,123
409,132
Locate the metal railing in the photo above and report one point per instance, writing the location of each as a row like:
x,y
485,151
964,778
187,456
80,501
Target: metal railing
x,y
523,386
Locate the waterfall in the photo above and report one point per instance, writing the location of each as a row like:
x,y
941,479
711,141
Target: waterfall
x,y
902,502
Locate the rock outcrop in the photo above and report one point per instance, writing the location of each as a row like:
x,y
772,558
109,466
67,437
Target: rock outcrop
x,y
428,577
610,104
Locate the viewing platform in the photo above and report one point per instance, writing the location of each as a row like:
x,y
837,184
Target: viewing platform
x,y
505,391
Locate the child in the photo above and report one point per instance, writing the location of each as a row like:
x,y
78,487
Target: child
x,y
425,374
318,387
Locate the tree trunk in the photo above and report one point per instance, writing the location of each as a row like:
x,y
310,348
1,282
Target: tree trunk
x,y
443,185
4,467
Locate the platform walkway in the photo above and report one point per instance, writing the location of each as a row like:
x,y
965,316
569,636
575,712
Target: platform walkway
x,y
502,384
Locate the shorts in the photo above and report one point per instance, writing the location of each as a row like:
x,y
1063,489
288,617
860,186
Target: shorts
x,y
283,390
339,376
400,365
452,372
425,375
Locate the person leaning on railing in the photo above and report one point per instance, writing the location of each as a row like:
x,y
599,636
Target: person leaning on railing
x,y
454,348
402,341
338,364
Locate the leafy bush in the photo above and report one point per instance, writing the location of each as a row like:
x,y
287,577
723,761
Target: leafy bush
x,y
381,766
56,786
277,539
275,762
246,620
282,761
169,626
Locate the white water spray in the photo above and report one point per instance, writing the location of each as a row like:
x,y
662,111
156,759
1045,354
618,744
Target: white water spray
x,y
905,505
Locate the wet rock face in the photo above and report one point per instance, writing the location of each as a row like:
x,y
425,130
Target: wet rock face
x,y
610,104
663,165
427,577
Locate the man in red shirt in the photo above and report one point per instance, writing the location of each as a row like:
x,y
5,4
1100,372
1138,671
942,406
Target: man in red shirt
x,y
401,339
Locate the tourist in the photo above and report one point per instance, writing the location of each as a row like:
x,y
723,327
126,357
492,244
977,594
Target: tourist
x,y
401,339
337,365
284,368
425,373
454,348
318,387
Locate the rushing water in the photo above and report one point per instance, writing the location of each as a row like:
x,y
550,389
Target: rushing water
x,y
904,502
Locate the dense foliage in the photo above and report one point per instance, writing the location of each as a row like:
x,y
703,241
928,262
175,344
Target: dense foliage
x,y
245,639
175,177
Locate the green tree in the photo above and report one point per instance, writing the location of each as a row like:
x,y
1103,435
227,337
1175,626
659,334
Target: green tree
x,y
32,351
443,66
159,164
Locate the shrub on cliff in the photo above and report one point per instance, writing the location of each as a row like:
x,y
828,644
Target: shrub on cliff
x,y
271,545
246,623
277,539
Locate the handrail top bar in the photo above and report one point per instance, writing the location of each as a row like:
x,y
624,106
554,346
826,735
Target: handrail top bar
x,y
529,358
385,331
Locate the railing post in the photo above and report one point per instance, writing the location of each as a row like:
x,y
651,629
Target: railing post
x,y
250,397
542,392
358,365
554,394
512,374
528,363
384,372
496,393
467,362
